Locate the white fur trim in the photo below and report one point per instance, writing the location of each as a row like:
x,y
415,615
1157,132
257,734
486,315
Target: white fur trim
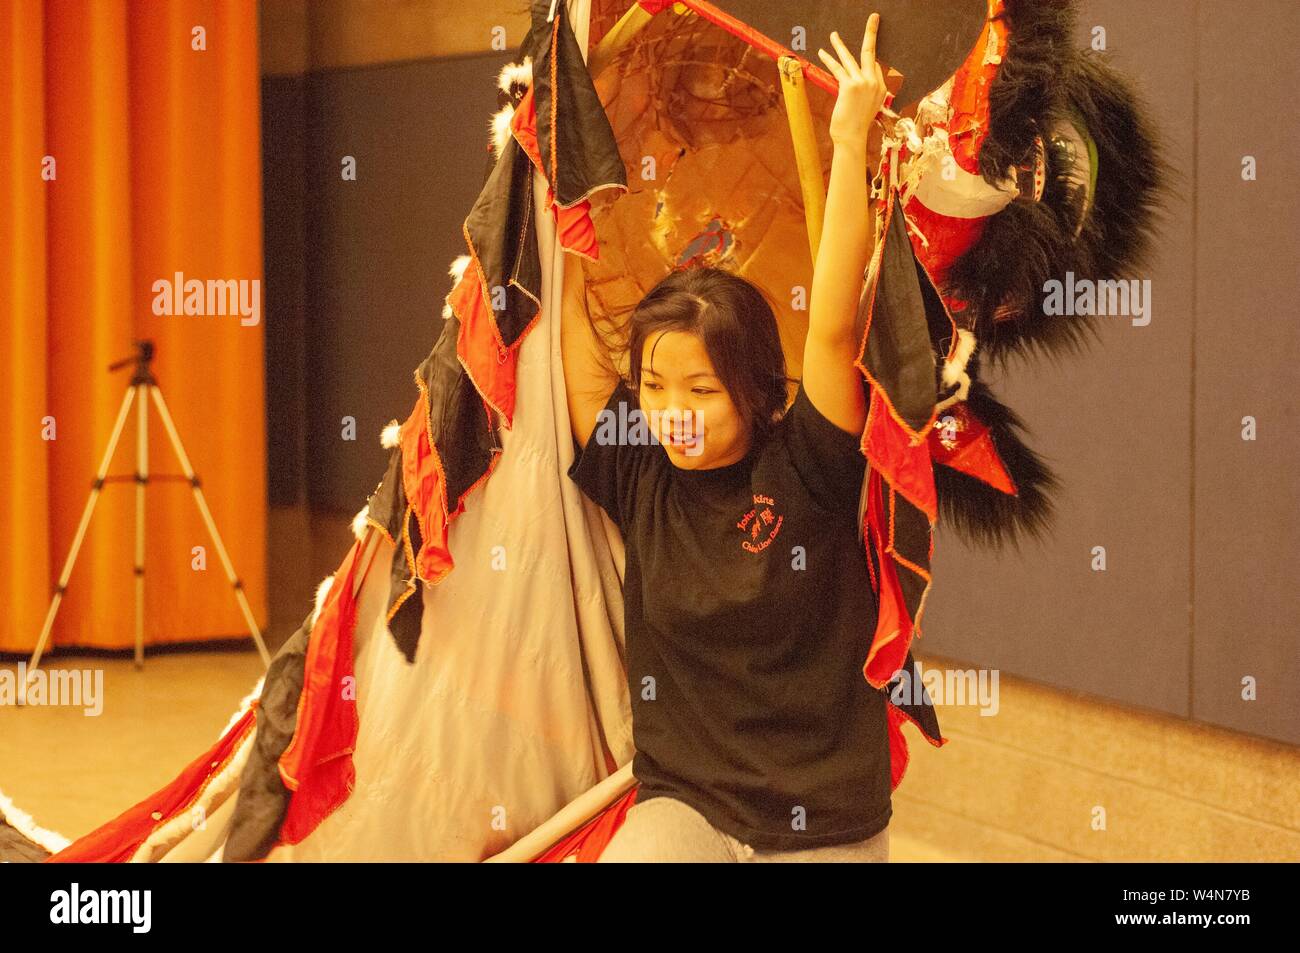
x,y
953,369
359,522
500,129
391,435
244,705
55,842
321,592
956,396
22,822
225,784
457,269
512,75
457,272
221,784
516,74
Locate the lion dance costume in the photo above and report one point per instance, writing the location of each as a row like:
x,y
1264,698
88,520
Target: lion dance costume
x,y
1032,160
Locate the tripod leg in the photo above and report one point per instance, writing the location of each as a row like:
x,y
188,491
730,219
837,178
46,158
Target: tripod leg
x,y
81,529
141,478
212,526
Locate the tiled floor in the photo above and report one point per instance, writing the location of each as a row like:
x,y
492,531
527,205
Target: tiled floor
x,y
73,771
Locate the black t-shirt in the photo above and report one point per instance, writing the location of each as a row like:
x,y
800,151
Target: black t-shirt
x,y
749,612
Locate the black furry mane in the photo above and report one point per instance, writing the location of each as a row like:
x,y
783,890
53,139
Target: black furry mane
x,y
1044,80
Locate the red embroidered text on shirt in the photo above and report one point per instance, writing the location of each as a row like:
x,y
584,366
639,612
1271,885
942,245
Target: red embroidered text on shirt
x,y
760,525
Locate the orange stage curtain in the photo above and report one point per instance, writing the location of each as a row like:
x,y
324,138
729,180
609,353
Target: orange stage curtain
x,y
155,145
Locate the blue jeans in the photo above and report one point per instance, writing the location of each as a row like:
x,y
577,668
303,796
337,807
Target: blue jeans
x,y
664,829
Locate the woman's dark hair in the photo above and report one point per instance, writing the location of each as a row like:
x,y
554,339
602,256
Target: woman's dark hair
x,y
737,325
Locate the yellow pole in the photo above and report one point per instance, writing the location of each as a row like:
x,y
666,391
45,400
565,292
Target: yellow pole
x,y
807,155
628,26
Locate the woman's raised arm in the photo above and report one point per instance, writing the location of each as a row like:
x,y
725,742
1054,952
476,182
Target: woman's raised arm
x,y
830,379
588,377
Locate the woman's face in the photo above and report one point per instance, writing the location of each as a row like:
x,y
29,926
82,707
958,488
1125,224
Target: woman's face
x,y
686,406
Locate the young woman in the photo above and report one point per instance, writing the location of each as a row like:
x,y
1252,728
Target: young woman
x,y
748,599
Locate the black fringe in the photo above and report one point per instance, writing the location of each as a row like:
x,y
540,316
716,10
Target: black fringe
x,y
1026,89
1021,247
982,515
1042,80
1134,180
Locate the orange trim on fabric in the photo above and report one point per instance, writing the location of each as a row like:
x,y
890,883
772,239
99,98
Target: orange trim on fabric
x,y
433,447
899,756
321,783
555,114
383,530
491,467
310,664
935,744
433,543
415,463
886,457
920,605
218,767
121,837
764,44
532,323
523,126
484,299
892,607
527,217
410,563
877,255
969,103
952,348
871,569
434,551
893,551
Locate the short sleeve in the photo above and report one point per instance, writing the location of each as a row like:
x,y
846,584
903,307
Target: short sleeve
x,y
610,468
829,460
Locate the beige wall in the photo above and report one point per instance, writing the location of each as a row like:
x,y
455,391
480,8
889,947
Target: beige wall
x,y
298,36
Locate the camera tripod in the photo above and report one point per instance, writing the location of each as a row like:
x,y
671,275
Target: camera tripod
x,y
142,385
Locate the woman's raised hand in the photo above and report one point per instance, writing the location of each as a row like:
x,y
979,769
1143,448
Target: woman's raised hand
x,y
862,87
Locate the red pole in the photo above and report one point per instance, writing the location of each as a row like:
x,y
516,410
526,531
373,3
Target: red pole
x,y
815,74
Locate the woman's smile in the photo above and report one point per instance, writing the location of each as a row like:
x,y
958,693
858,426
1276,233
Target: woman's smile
x,y
679,387
681,441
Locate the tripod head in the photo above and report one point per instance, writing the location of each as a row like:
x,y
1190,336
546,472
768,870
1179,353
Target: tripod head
x,y
142,359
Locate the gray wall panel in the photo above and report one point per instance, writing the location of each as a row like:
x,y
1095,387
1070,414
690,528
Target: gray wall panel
x,y
379,247
1247,493
284,241
1114,425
